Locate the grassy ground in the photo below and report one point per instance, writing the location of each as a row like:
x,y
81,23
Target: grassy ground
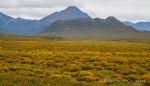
x,y
73,35
46,61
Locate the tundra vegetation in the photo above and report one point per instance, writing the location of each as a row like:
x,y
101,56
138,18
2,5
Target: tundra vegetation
x,y
74,63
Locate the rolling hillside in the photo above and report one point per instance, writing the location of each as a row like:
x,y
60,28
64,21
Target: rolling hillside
x,y
89,28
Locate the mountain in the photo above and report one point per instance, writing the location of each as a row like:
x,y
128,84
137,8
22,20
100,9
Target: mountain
x,y
21,26
4,18
128,23
14,25
139,25
71,12
87,26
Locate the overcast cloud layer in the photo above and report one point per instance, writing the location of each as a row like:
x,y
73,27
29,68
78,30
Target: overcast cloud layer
x,y
124,10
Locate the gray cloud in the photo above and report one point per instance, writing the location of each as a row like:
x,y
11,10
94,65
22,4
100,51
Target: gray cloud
x,y
38,3
132,10
135,17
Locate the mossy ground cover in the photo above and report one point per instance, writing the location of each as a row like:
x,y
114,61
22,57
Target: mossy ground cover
x,y
74,63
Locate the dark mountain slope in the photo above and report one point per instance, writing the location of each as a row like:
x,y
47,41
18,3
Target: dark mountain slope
x,y
71,12
109,25
88,28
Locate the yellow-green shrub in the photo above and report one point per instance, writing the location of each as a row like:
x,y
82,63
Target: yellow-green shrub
x,y
74,69
132,77
54,76
115,76
125,72
58,65
132,71
86,67
99,68
14,68
86,76
104,63
6,69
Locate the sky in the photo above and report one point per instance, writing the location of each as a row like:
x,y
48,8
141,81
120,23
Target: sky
x,y
123,10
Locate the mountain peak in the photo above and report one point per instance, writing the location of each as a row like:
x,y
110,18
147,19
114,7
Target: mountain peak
x,y
71,12
72,7
111,18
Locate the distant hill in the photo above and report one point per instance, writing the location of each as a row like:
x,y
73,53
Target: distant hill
x,y
71,12
21,26
139,25
87,26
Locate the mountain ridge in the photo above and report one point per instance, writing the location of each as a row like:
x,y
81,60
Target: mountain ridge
x,y
88,25
71,12
19,26
15,26
92,29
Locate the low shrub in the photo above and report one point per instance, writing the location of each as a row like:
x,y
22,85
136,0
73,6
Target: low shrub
x,y
99,68
142,71
125,72
118,71
132,77
115,76
103,63
6,69
147,83
74,69
86,67
148,68
14,68
54,76
133,71
74,74
97,63
86,76
58,65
